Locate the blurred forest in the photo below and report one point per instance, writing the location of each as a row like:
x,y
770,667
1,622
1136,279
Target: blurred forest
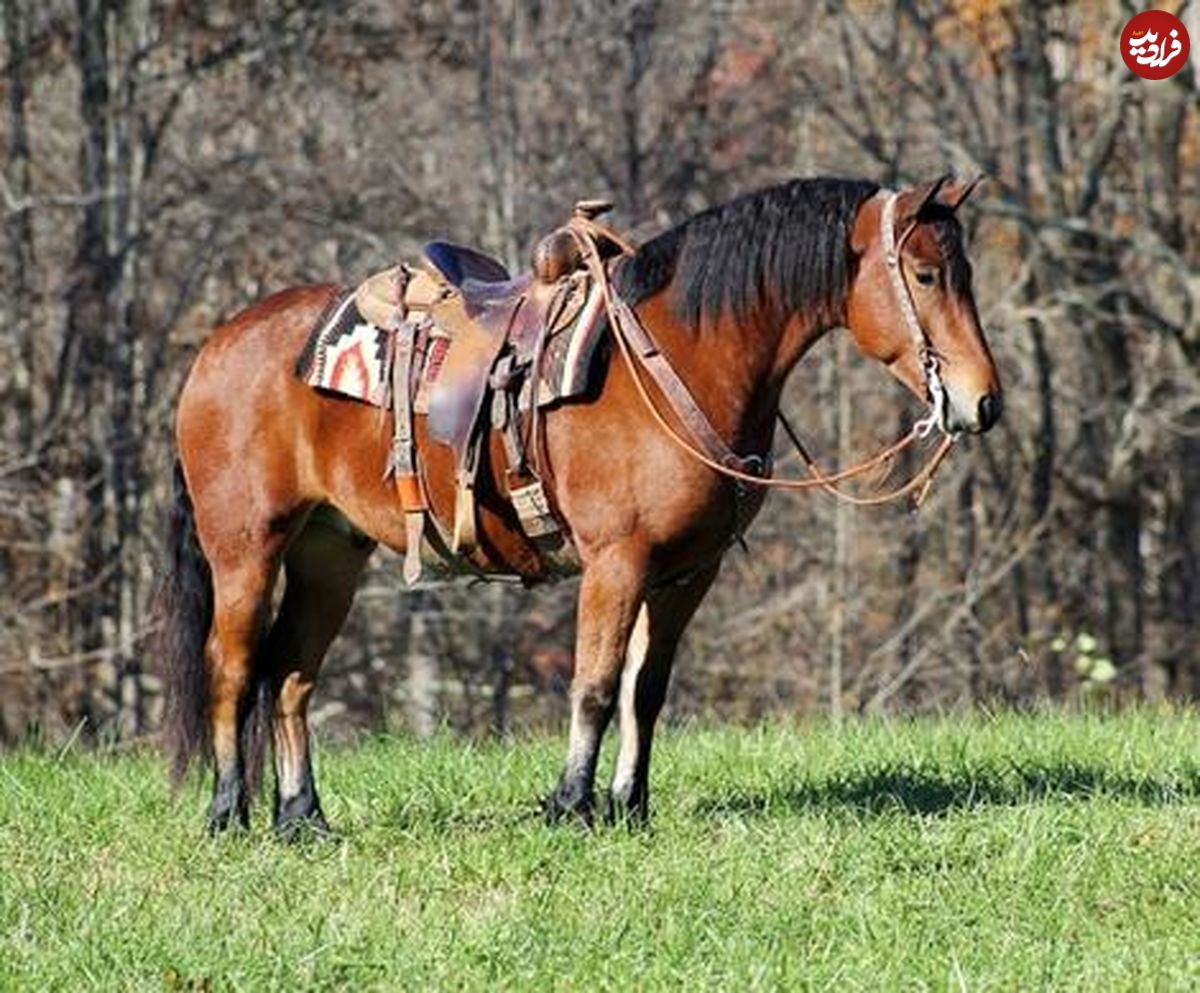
x,y
164,163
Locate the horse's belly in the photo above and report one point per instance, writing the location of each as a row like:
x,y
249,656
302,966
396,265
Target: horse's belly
x,y
351,452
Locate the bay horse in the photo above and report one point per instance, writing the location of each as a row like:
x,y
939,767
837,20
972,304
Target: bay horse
x,y
274,476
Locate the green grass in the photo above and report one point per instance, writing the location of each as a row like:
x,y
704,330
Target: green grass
x,y
1043,852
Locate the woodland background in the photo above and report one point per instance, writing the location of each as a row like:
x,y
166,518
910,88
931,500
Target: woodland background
x,y
164,163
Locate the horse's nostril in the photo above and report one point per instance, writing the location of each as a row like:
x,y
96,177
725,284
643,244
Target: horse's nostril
x,y
990,406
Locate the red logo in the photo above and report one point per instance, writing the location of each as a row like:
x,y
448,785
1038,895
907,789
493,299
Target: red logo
x,y
1155,44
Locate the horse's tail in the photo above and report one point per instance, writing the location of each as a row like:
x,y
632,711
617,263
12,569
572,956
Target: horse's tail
x,y
187,603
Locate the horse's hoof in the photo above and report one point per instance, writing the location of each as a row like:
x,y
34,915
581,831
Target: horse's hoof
x,y
224,821
303,827
625,812
230,808
562,807
298,830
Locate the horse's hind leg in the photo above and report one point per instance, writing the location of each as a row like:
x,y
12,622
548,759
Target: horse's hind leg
x,y
322,567
241,605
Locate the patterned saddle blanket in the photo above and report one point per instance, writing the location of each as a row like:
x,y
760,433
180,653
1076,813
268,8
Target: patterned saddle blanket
x,y
350,354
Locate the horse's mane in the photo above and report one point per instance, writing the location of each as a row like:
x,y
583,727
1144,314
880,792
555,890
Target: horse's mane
x,y
775,252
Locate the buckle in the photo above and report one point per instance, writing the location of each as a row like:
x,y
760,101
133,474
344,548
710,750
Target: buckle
x,y
937,396
924,427
752,465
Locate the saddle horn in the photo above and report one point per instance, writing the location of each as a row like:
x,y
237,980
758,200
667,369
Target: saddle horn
x,y
593,208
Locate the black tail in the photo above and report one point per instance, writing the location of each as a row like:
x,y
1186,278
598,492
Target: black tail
x,y
187,604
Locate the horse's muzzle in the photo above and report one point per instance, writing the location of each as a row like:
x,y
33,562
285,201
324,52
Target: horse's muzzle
x,y
961,417
991,406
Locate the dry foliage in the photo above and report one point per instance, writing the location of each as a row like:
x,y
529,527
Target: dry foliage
x,y
163,163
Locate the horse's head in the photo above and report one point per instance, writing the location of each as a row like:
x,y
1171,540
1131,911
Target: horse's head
x,y
911,307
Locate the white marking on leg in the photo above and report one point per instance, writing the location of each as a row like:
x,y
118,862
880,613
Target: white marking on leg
x,y
581,740
290,768
291,729
635,659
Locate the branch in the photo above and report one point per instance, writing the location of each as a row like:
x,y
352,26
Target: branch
x,y
964,609
14,204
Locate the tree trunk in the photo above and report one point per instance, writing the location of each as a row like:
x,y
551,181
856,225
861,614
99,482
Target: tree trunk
x,y
21,262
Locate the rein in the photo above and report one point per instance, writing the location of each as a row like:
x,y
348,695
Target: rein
x,y
631,335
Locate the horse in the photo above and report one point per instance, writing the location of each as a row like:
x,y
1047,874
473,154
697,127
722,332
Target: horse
x,y
273,476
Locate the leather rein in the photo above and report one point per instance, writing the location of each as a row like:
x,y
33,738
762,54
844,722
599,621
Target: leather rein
x,y
643,357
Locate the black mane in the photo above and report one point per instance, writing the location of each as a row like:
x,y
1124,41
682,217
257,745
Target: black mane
x,y
773,253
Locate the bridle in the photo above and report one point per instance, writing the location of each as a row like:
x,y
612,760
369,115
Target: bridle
x,y
643,358
892,248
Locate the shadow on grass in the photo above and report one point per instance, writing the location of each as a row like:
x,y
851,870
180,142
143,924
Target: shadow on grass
x,y
932,791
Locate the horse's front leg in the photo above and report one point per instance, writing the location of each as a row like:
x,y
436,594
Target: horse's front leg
x,y
609,598
659,626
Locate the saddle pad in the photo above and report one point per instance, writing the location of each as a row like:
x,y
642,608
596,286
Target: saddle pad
x,y
347,354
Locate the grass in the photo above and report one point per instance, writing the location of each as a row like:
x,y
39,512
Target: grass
x,y
977,853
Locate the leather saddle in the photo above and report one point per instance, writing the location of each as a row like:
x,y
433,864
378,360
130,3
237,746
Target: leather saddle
x,y
497,326
486,315
459,264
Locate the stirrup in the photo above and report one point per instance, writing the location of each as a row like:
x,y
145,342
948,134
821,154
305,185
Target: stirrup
x,y
414,536
463,540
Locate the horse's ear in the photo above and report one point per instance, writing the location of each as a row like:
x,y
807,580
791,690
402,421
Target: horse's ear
x,y
917,198
956,190
865,226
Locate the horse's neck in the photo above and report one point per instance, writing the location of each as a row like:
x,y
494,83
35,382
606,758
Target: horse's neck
x,y
798,335
737,370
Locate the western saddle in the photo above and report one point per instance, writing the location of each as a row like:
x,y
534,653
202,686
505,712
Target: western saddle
x,y
492,329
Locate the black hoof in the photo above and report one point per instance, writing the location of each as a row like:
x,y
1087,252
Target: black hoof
x,y
310,827
300,817
229,810
630,812
229,819
565,806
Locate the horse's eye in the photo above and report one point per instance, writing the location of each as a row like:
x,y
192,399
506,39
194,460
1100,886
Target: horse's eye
x,y
926,277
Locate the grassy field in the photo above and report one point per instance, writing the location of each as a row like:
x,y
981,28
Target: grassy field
x,y
999,853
